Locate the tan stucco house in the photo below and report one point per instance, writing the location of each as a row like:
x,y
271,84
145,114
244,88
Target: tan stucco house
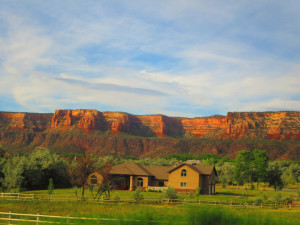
x,y
183,177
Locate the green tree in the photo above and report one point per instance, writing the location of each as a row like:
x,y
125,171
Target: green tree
x,y
2,151
33,171
245,167
14,172
261,161
291,174
41,166
274,175
2,162
225,173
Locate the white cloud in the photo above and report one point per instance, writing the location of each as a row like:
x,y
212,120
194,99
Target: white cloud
x,y
195,52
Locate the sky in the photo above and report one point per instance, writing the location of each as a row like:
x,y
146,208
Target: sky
x,y
186,58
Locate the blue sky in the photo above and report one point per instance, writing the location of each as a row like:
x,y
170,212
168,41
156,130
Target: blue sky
x,y
178,58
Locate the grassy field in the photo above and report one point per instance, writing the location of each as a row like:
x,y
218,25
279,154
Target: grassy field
x,y
149,213
156,214
228,194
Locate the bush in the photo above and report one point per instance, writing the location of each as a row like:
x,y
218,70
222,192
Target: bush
x,y
289,199
198,191
50,187
265,197
191,195
137,195
278,198
170,193
258,201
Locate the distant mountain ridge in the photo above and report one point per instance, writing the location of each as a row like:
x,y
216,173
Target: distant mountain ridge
x,y
83,128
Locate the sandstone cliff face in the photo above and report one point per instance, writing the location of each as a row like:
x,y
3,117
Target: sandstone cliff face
x,y
268,125
30,130
24,121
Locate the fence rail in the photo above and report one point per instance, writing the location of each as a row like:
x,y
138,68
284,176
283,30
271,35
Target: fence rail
x,y
28,197
44,219
37,218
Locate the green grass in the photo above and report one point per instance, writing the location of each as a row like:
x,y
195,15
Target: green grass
x,y
229,194
153,214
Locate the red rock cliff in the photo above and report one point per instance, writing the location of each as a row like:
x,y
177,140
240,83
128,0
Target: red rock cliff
x,y
240,125
45,129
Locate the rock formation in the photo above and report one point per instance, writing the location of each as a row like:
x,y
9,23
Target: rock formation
x,y
126,134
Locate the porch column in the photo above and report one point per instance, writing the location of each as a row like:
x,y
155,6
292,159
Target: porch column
x,y
131,184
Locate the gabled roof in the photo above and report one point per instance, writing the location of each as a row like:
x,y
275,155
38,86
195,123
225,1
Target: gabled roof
x,y
129,168
159,172
201,169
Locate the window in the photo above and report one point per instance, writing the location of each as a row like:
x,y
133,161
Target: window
x,y
183,173
140,182
182,184
161,183
94,180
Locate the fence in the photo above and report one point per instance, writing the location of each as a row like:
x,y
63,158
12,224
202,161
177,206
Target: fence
x,y
28,197
10,217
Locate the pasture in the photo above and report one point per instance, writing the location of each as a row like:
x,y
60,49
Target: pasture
x,y
152,211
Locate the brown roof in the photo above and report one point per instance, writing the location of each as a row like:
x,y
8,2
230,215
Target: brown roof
x,y
159,172
202,169
129,168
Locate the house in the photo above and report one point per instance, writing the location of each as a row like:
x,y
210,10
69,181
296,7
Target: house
x,y
186,177
183,177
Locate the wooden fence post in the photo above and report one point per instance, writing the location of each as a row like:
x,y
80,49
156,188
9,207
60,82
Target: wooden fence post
x,y
9,217
37,219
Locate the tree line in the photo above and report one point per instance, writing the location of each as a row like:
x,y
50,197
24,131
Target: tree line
x,y
39,168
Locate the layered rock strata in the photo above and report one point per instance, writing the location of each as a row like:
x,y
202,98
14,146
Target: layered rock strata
x,y
35,129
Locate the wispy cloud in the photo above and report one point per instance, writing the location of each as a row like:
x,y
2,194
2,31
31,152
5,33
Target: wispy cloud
x,y
187,58
111,87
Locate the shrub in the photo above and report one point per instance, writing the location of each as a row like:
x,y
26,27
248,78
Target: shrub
x,y
277,198
170,193
191,195
289,199
137,195
50,187
258,201
198,191
265,197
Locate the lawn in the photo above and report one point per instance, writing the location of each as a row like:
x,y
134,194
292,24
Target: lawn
x,y
148,213
156,214
233,194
